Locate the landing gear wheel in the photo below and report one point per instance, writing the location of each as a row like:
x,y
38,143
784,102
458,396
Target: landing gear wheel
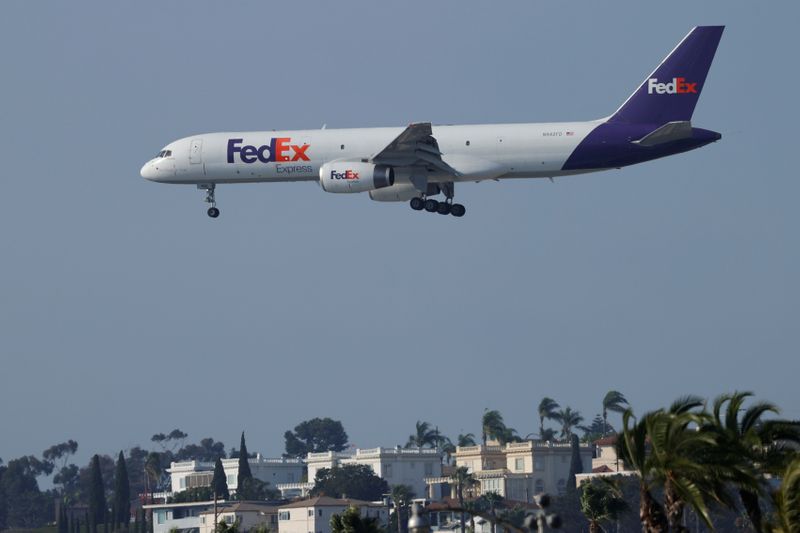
x,y
444,208
457,210
213,212
417,203
431,205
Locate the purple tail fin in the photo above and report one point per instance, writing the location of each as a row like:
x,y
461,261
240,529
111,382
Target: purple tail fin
x,y
670,93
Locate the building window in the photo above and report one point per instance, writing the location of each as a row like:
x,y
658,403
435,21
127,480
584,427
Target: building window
x,y
284,515
539,463
562,486
539,486
320,512
183,482
388,471
231,479
311,512
428,469
519,464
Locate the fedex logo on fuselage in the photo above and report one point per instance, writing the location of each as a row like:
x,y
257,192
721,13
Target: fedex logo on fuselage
x,y
676,86
346,175
278,150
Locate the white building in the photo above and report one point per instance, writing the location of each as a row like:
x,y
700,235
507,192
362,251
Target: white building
x,y
398,466
314,515
198,517
190,474
519,470
247,514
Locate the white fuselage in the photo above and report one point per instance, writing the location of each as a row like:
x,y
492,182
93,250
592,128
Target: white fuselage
x,y
477,152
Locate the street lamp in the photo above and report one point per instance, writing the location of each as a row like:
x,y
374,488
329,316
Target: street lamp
x,y
542,519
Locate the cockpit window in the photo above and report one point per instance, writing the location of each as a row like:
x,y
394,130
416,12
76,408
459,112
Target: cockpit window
x,y
164,153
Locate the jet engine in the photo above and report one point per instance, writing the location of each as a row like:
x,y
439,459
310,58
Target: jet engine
x,y
355,176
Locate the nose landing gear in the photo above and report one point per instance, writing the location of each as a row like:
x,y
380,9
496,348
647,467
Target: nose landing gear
x,y
213,212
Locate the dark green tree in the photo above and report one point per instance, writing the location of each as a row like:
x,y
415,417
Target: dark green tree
x,y
220,482
547,409
462,480
613,401
424,435
492,425
25,506
575,464
355,481
602,501
245,477
401,498
97,495
122,494
315,436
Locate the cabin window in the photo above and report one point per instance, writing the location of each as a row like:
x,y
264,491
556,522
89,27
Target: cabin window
x,y
467,143
341,147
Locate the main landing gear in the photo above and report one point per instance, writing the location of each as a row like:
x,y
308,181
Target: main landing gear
x,y
447,207
213,212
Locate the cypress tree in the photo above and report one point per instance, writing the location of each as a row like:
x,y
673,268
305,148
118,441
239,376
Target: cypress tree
x,y
575,465
97,495
245,475
219,484
122,494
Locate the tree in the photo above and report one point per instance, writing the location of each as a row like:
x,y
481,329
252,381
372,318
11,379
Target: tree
x,y
401,496
492,425
760,447
353,480
547,409
423,436
462,480
60,452
568,419
122,494
207,451
220,482
170,441
613,401
315,436
22,504
244,465
492,501
153,471
674,451
575,464
786,500
597,429
351,521
602,501
97,495
465,440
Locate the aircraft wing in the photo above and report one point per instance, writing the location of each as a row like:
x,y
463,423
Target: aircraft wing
x,y
415,146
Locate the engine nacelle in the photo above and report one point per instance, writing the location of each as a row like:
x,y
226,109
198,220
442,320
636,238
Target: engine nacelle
x,y
399,192
354,176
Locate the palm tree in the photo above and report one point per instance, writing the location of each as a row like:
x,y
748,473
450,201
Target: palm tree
x,y
787,500
547,409
465,440
492,425
424,436
462,479
754,447
568,419
673,450
401,496
601,501
493,500
508,435
447,447
613,401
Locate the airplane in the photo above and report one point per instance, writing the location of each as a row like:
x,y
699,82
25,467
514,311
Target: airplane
x,y
423,160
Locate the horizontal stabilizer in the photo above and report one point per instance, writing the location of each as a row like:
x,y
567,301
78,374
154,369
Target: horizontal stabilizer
x,y
671,131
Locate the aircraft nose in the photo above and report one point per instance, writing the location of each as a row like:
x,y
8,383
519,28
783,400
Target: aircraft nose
x,y
148,172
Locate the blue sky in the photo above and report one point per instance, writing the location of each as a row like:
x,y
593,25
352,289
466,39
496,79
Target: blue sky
x,y
125,311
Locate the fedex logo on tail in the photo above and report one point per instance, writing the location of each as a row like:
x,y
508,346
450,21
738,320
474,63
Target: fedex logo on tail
x,y
676,86
346,175
278,150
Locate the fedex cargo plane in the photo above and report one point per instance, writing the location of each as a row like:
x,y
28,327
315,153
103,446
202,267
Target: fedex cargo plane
x,y
422,161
